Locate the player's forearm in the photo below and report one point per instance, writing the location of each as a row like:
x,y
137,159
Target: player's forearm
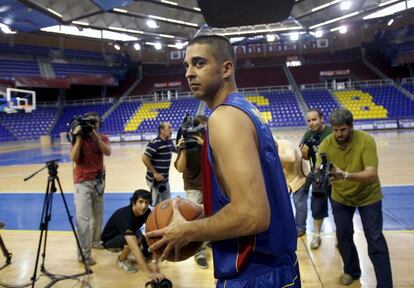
x,y
105,148
230,222
136,251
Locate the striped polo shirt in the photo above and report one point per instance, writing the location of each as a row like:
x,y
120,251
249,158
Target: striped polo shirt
x,y
160,152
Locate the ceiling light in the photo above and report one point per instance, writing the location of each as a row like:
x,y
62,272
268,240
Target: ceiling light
x,y
196,9
158,46
345,5
166,36
179,45
398,7
54,12
169,2
318,33
270,37
6,29
120,10
343,29
325,5
80,23
152,24
390,22
137,46
117,47
236,39
334,20
294,36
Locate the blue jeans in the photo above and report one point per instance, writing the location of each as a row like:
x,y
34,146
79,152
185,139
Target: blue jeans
x,y
371,217
300,199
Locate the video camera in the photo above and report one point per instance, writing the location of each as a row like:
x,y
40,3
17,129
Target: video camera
x,y
188,129
87,122
319,179
164,283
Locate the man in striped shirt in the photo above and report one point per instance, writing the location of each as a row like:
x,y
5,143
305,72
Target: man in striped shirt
x,y
157,159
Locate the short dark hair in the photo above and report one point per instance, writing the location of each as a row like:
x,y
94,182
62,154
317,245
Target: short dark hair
x,y
320,114
140,193
222,48
160,126
341,116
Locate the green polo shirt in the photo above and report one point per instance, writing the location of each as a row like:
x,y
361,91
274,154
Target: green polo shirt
x,y
361,152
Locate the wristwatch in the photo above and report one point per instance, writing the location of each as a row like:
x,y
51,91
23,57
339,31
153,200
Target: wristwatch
x,y
346,175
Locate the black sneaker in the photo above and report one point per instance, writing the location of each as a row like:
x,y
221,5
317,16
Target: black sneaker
x,y
201,262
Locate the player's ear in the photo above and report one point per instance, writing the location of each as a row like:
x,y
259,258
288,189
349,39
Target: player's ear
x,y
228,69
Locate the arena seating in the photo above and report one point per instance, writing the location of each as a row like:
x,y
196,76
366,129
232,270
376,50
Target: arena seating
x,y
279,109
24,50
397,104
5,135
321,99
28,126
116,121
361,104
83,55
9,69
269,76
70,111
147,117
62,70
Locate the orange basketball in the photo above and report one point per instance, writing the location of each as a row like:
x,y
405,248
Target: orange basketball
x,y
161,217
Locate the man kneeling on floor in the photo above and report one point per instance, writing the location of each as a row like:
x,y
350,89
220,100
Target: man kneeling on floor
x,y
122,233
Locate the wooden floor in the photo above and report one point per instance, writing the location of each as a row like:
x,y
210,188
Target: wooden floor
x,y
125,173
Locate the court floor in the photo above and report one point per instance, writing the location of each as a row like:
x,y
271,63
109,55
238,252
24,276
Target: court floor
x,y
21,204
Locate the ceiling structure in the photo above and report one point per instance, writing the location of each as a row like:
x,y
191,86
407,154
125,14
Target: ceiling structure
x,y
176,20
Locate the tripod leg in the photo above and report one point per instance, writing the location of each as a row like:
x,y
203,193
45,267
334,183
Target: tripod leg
x,y
6,253
42,230
48,217
70,217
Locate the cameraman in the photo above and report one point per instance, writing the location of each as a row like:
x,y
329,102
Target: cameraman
x,y
157,159
123,232
309,147
189,163
356,185
89,177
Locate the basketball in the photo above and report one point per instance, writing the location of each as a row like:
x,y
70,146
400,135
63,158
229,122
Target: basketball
x,y
161,217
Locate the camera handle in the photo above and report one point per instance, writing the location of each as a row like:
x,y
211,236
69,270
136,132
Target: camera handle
x,y
44,227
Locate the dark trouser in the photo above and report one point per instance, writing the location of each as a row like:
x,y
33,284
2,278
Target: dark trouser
x,y
371,217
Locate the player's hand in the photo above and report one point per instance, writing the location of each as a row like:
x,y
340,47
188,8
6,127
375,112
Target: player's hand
x,y
304,149
77,130
181,143
174,236
156,276
200,141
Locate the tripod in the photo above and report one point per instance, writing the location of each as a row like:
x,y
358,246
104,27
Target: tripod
x,y
44,226
6,253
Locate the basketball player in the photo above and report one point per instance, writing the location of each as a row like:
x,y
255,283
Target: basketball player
x,y
249,215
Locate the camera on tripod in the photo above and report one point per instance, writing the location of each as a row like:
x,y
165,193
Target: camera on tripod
x,y
164,283
190,128
319,179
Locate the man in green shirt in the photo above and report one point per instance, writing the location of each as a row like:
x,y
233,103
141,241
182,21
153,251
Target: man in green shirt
x,y
355,184
319,202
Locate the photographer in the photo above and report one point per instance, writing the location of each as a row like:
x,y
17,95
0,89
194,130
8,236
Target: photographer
x,y
309,147
88,148
157,159
356,185
123,232
189,163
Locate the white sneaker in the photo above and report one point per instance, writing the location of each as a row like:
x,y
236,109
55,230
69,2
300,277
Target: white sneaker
x,y
127,266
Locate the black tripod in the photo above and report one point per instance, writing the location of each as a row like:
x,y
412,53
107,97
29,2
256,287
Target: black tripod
x,y
44,226
6,253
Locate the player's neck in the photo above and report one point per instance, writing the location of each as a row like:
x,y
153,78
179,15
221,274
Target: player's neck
x,y
222,95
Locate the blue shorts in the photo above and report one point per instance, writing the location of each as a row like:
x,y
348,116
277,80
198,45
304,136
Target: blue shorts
x,y
284,276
